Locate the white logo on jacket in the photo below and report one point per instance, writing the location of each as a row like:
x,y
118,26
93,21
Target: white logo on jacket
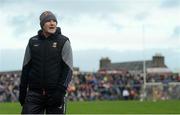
x,y
36,45
54,44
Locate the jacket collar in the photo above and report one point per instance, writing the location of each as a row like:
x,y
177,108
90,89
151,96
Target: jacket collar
x,y
52,36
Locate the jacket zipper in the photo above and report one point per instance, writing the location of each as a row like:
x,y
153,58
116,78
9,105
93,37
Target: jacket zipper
x,y
44,61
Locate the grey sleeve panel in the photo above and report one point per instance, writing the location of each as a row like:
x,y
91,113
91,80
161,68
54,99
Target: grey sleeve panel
x,y
27,56
67,54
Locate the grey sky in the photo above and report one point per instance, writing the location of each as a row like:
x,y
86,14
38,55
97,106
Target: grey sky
x,y
115,25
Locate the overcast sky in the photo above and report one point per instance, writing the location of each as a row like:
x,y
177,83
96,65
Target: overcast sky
x,y
114,25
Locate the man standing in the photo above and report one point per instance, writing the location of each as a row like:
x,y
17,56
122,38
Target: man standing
x,y
47,69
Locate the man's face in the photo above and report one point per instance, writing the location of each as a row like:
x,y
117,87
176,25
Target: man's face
x,y
50,27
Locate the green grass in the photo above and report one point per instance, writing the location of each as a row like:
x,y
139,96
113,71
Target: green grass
x,y
107,107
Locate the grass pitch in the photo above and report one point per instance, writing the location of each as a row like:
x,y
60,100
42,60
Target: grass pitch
x,y
109,107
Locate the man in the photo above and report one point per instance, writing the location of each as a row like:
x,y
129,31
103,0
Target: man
x,y
47,69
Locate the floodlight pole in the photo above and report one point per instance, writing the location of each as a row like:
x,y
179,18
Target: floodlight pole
x,y
144,62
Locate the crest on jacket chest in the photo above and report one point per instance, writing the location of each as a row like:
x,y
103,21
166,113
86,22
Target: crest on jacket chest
x,y
54,45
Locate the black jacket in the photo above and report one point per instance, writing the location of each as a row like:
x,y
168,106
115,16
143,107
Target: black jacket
x,y
47,64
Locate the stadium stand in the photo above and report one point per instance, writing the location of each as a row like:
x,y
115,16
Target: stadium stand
x,y
102,86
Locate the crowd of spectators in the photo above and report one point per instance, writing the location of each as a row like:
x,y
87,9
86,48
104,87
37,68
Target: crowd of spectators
x,y
96,86
9,86
91,86
163,78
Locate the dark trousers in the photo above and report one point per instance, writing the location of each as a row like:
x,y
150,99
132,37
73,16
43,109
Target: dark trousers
x,y
36,103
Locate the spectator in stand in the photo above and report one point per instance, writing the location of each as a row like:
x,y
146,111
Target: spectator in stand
x,y
125,94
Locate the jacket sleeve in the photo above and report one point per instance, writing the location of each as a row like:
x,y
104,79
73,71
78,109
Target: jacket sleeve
x,y
24,76
67,65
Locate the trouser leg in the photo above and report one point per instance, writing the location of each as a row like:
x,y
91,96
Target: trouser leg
x,y
60,109
33,104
